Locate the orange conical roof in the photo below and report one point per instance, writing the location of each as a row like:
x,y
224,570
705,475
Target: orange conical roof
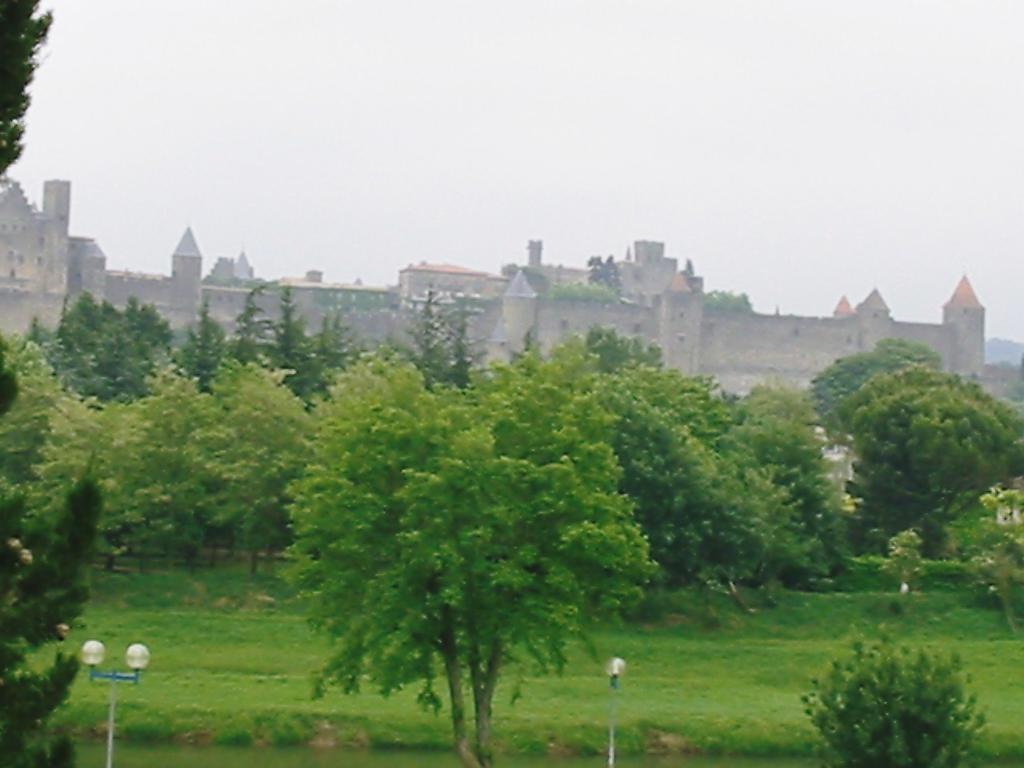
x,y
964,296
680,284
843,308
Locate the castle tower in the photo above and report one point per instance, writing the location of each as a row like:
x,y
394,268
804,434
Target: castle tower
x,y
535,252
874,320
680,318
964,315
518,313
186,276
57,203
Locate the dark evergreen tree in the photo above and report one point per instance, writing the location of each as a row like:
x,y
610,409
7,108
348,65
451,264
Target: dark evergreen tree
x,y
42,591
105,353
462,357
605,272
22,32
292,351
430,336
334,349
252,331
204,350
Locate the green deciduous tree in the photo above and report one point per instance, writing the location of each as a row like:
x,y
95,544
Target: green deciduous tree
x,y
614,352
726,301
892,708
26,427
777,433
448,533
846,376
42,591
22,32
257,447
926,444
904,562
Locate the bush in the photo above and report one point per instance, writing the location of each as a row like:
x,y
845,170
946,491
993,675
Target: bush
x,y
893,708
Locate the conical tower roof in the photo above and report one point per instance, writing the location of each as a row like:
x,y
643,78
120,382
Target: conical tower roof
x,y
520,288
680,284
843,308
874,302
187,245
964,296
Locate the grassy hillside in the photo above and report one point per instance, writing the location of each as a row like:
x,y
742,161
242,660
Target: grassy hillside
x,y
233,657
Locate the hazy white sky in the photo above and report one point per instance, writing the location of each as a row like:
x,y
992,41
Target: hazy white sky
x,y
794,149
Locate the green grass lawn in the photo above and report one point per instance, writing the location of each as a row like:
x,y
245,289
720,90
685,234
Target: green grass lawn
x,y
233,659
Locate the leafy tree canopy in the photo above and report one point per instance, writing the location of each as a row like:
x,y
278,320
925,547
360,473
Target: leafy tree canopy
x,y
727,301
846,376
449,533
885,707
614,352
926,442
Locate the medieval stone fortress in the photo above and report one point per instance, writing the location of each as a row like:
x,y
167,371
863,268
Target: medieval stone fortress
x,y
42,266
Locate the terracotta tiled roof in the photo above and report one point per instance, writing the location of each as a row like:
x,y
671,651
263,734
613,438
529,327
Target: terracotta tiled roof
x,y
843,308
680,284
964,296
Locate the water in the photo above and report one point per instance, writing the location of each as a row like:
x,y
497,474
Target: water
x,y
132,756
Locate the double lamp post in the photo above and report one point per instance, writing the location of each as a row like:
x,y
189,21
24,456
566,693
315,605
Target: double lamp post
x,y
137,659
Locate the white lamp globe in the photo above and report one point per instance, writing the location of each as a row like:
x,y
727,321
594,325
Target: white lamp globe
x,y
93,652
137,656
616,667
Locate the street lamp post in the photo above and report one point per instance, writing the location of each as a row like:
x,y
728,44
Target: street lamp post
x,y
615,668
137,659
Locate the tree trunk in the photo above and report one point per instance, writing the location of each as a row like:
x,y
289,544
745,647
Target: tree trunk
x,y
453,672
254,561
486,680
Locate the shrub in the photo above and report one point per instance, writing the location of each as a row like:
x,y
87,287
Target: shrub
x,y
893,708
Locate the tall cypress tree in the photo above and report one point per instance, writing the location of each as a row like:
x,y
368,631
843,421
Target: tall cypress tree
x,y
22,32
42,590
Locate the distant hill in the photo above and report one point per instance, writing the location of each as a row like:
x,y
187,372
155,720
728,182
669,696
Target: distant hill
x,y
1003,351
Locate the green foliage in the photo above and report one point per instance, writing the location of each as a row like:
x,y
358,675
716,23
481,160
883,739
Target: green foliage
x,y
726,301
584,292
106,353
257,448
204,350
26,428
701,523
252,330
22,32
441,348
892,708
42,591
292,351
846,376
604,272
927,444
904,563
450,533
998,562
615,352
776,432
